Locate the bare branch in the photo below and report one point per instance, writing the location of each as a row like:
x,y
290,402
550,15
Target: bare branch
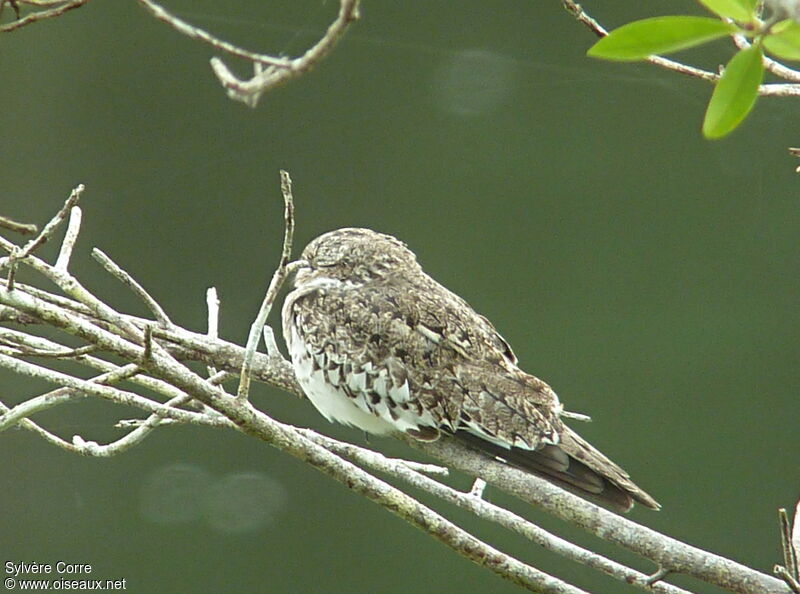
x,y
473,502
162,367
60,8
114,269
21,228
796,537
370,457
73,288
85,387
17,253
43,433
272,346
269,71
194,32
669,553
131,439
790,543
212,304
50,227
257,424
284,270
41,347
478,487
789,552
787,577
265,79
71,236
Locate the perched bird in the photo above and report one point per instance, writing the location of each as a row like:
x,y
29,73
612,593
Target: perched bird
x,y
378,344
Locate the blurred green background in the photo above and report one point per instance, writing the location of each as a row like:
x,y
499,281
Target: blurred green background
x,y
650,276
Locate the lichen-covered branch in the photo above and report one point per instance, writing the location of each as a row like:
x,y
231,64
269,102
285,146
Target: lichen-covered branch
x,y
155,353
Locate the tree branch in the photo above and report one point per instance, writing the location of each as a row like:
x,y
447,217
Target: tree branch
x,y
156,358
58,8
269,71
284,269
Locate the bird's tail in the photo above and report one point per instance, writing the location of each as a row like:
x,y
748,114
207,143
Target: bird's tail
x,y
573,464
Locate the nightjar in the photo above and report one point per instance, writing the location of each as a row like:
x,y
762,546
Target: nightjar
x,y
378,344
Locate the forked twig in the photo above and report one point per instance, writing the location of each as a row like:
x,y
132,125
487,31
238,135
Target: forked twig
x,y
269,71
48,230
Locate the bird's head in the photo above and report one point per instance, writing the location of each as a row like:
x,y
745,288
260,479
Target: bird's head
x,y
355,255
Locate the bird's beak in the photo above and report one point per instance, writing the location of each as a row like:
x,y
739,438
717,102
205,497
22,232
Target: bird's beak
x,y
298,267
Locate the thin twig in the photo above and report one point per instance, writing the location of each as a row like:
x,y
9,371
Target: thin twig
x,y
789,553
66,353
775,67
21,228
43,347
658,576
264,79
147,354
269,71
478,487
43,433
114,269
350,450
269,342
18,253
132,438
70,237
796,537
195,32
284,269
212,305
52,224
106,392
61,395
42,14
791,581
41,3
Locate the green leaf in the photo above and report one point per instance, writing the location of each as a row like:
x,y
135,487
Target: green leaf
x,y
738,10
785,41
735,93
659,35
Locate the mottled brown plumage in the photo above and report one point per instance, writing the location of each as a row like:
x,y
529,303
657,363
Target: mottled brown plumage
x,y
378,344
